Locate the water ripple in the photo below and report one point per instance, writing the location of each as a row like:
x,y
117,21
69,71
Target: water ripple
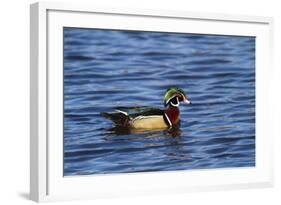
x,y
105,69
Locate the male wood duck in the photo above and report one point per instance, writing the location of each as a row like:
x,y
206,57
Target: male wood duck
x,y
152,118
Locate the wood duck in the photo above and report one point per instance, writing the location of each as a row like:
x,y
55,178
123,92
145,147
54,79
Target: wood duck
x,y
152,118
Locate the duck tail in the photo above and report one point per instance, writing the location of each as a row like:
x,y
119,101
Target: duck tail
x,y
120,118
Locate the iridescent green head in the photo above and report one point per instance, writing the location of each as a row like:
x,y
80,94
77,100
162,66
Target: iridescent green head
x,y
174,96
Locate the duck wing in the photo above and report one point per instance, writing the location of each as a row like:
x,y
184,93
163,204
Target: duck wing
x,y
143,110
124,115
148,112
120,118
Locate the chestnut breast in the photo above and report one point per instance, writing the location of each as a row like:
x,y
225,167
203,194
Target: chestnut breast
x,y
173,114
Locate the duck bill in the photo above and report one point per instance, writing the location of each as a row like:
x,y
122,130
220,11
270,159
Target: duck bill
x,y
186,101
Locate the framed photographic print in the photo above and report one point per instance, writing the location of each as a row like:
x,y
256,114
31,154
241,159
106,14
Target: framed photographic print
x,y
127,102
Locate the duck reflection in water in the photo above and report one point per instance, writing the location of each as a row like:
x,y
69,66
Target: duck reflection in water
x,y
174,131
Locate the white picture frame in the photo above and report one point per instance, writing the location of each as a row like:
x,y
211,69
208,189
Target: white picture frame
x,y
46,157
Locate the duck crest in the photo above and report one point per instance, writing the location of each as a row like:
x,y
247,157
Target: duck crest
x,y
173,113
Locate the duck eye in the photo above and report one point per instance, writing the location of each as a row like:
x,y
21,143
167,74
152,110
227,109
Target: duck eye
x,y
174,100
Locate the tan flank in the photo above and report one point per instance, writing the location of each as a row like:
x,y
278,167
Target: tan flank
x,y
149,122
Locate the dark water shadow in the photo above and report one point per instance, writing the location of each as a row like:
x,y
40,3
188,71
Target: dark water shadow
x,y
119,130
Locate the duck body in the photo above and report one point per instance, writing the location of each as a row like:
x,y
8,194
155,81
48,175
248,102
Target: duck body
x,y
149,122
164,119
150,118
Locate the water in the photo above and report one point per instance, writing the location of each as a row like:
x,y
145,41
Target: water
x,y
104,69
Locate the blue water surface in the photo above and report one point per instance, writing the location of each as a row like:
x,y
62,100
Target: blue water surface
x,y
104,69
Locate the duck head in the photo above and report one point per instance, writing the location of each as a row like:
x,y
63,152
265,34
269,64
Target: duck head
x,y
174,96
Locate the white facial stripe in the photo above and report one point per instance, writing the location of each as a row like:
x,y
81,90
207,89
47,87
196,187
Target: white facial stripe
x,y
169,99
183,96
165,95
168,119
176,105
